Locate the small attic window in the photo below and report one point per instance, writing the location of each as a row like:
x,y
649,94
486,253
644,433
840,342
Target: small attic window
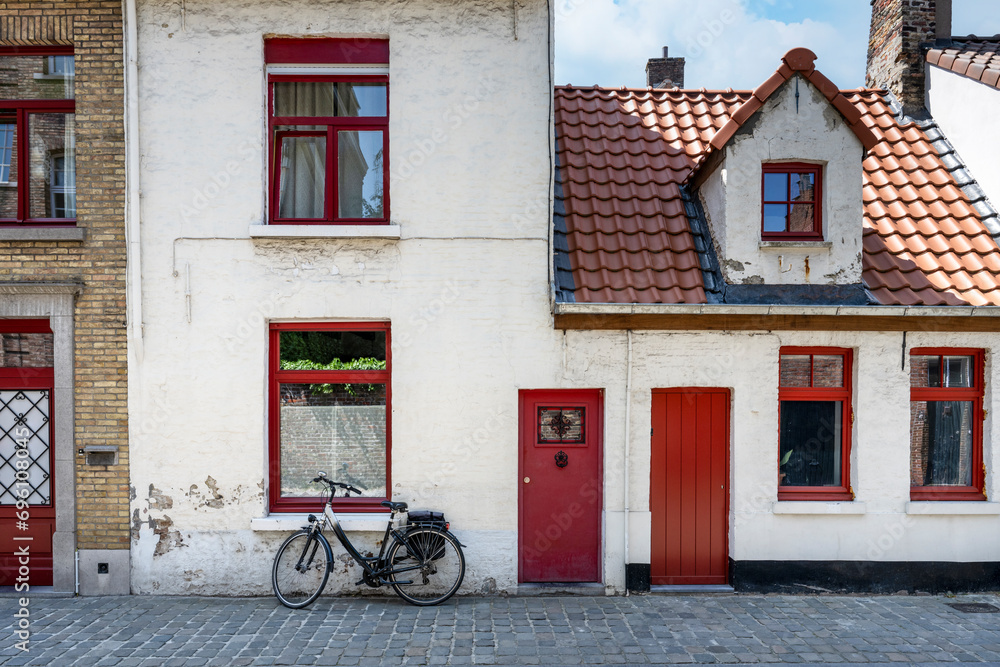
x,y
791,205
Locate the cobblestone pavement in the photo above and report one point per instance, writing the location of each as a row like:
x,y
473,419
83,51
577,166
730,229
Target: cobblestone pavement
x,y
176,631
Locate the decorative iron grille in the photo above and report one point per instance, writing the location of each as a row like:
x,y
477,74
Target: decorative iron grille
x,y
24,437
561,425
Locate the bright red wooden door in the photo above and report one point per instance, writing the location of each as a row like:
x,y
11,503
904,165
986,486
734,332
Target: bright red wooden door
x,y
689,481
561,485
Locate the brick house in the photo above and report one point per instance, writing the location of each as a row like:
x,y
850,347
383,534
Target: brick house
x,y
63,396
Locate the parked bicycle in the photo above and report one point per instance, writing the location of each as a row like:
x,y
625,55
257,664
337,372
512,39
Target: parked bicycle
x,y
419,557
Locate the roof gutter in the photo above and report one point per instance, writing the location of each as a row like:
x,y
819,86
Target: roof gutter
x,y
725,317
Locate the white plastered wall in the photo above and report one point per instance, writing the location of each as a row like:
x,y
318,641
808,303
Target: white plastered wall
x,y
881,524
969,113
797,124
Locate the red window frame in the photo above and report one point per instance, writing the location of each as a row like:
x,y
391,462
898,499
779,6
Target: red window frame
x,y
19,111
976,395
842,394
332,52
790,168
278,377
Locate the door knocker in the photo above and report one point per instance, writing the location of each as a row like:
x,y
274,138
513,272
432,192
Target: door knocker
x,y
562,460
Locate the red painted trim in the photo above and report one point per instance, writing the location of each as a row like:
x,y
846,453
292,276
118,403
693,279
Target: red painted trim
x,y
36,50
842,394
333,126
817,201
28,325
327,51
276,377
975,394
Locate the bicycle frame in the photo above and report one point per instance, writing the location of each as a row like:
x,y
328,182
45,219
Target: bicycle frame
x,y
381,567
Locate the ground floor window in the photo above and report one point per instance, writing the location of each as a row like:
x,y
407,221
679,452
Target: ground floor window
x,y
329,410
814,424
946,424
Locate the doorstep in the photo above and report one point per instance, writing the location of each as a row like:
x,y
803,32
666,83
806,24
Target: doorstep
x,y
34,592
532,590
692,590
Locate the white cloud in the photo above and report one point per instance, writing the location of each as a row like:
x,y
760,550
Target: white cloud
x,y
607,42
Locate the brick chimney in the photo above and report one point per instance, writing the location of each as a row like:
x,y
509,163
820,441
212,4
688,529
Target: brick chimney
x,y
665,72
901,31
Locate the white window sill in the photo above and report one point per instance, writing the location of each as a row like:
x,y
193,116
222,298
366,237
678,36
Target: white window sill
x,y
817,507
793,245
366,522
953,507
324,231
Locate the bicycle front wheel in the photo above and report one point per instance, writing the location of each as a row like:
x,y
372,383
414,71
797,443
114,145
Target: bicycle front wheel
x,y
301,568
427,566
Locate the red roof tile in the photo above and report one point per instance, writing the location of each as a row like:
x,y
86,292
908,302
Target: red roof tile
x,y
975,57
622,162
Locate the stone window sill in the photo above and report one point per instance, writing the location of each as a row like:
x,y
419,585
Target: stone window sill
x,y
367,522
41,234
324,231
817,507
953,507
795,245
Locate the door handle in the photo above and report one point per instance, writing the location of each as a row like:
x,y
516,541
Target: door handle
x,y
527,479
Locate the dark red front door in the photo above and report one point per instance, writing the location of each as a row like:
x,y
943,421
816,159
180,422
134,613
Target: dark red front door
x,y
27,509
559,528
689,487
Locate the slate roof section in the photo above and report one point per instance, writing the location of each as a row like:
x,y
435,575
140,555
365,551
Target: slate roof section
x,y
975,57
624,155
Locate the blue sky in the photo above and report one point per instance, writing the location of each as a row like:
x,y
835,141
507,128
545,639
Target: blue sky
x,y
727,43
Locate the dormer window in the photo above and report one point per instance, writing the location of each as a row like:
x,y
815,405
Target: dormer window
x,y
791,205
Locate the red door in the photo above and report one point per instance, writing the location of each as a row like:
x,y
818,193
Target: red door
x,y
689,480
560,480
27,509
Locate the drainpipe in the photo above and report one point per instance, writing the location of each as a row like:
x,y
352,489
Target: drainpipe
x,y
133,251
628,435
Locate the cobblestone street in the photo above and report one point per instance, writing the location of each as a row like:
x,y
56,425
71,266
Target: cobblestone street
x,y
654,629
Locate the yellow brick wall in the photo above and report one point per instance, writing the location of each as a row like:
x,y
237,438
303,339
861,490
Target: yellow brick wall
x,y
94,28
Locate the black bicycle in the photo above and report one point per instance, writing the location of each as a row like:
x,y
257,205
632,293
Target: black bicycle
x,y
419,558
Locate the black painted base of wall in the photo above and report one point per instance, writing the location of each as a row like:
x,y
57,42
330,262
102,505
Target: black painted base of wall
x,y
637,576
805,576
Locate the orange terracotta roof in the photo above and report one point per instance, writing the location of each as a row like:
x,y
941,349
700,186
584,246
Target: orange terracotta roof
x,y
623,156
975,57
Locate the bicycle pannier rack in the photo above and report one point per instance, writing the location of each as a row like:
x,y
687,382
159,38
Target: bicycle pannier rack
x,y
420,518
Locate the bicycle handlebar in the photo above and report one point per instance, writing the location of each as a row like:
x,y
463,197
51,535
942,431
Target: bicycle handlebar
x,y
332,484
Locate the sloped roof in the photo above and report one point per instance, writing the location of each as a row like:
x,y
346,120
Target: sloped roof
x,y
975,57
624,154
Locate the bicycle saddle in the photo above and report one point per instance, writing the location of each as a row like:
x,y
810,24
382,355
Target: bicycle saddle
x,y
395,507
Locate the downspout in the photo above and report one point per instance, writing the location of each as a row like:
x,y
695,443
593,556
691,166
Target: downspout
x,y
628,435
552,162
133,250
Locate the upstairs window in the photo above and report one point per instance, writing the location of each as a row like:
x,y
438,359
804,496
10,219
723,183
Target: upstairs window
x,y
328,121
946,424
814,452
37,136
791,202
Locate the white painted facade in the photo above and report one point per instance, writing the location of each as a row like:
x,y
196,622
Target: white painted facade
x,y
969,113
796,124
462,275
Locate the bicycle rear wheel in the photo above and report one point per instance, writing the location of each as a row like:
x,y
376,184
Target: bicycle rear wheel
x,y
301,568
427,566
